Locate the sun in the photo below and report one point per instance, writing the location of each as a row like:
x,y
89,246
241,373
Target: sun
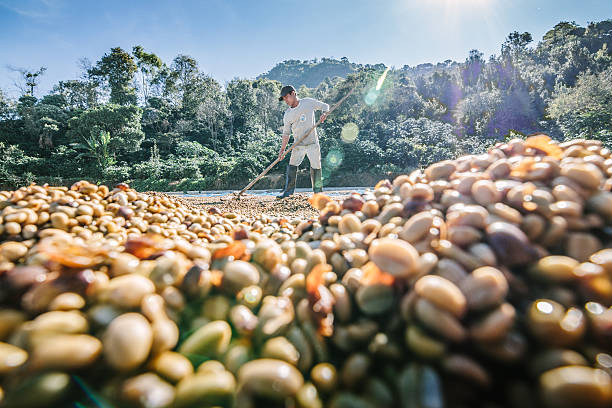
x,y
453,15
458,4
468,2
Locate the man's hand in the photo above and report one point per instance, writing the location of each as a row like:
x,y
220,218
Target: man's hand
x,y
323,117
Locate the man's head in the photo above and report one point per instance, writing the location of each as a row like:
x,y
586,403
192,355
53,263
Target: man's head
x,y
288,95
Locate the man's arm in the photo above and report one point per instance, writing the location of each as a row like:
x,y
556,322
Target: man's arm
x,y
286,135
323,107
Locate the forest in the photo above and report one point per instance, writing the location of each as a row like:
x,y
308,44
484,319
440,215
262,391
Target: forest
x,y
168,126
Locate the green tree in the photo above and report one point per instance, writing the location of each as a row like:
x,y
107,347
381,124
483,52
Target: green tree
x,y
514,112
561,31
158,122
180,79
45,123
28,80
7,109
515,44
121,122
79,95
41,123
148,64
474,112
268,107
404,99
97,146
474,65
15,166
444,87
243,109
210,104
117,69
569,49
586,109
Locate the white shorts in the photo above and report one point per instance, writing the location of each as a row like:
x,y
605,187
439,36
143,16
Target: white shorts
x,y
313,151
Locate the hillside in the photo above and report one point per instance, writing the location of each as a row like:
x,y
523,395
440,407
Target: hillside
x,y
310,73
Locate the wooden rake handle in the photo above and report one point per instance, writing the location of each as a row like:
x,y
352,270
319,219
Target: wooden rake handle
x,y
267,169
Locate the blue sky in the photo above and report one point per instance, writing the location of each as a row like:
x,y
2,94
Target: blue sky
x,y
247,37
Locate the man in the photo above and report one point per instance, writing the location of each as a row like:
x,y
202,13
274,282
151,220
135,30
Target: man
x,y
299,118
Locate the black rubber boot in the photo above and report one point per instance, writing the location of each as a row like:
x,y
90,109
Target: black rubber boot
x,y
316,180
290,180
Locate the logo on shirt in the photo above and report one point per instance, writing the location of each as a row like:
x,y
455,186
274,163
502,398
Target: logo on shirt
x,y
303,118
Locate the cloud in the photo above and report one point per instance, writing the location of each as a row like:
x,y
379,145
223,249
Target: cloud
x,y
37,9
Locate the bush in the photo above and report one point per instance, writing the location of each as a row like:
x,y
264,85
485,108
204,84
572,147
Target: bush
x,y
145,170
192,149
66,162
216,168
15,166
246,168
257,155
150,184
116,174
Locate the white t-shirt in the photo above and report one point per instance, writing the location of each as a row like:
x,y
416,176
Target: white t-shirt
x,y
301,119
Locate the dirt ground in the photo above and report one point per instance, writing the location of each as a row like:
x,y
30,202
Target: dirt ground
x,y
251,206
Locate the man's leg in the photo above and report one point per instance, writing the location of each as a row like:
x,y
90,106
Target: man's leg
x,y
316,179
290,180
297,155
314,157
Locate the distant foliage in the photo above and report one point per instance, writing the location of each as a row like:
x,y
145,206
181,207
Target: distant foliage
x,y
310,73
15,165
130,116
120,126
586,108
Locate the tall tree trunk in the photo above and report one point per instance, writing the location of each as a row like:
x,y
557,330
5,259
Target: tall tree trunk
x,y
144,88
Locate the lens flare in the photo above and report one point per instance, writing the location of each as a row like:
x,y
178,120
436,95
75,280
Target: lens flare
x,y
382,78
371,96
349,132
334,158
